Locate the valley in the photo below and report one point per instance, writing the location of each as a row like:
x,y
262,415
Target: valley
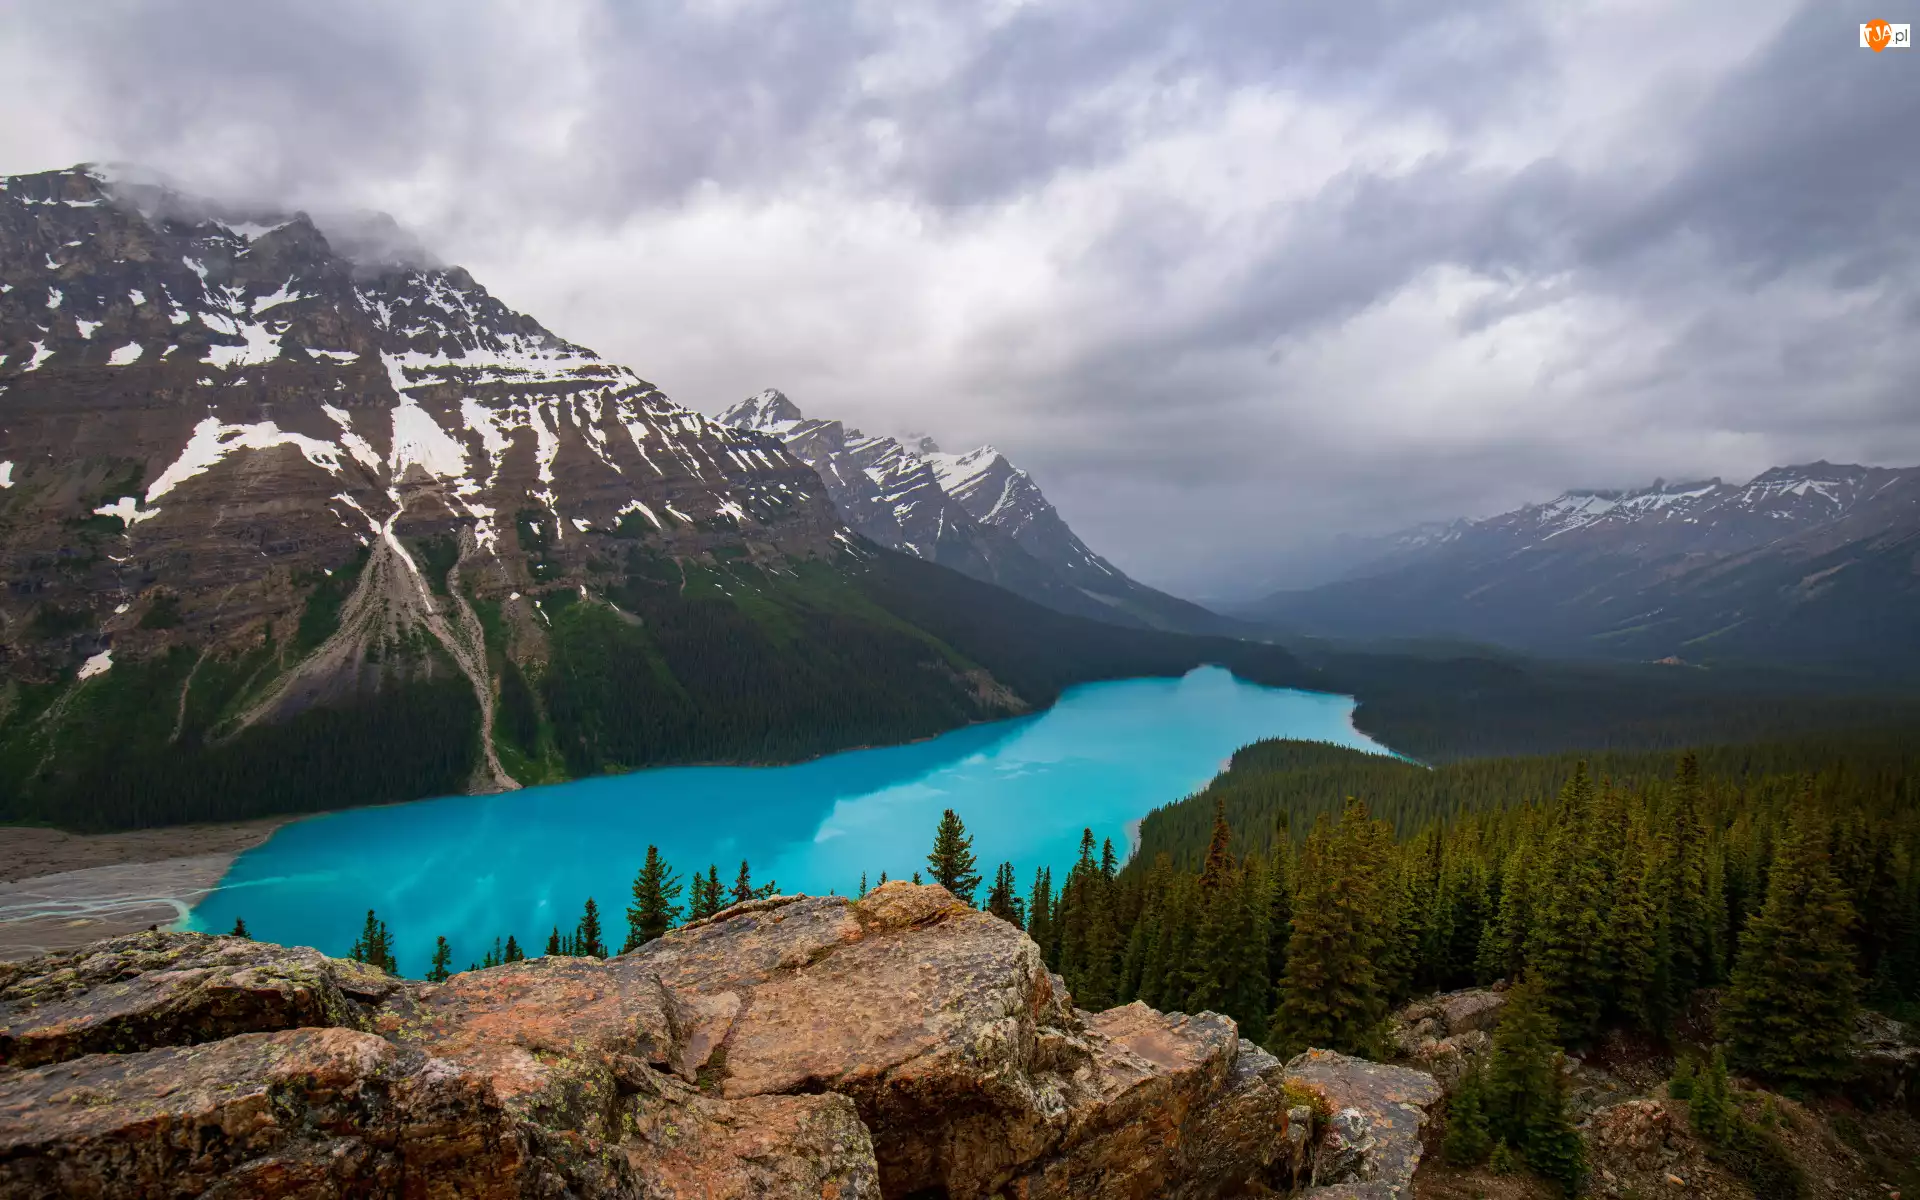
x,y
385,672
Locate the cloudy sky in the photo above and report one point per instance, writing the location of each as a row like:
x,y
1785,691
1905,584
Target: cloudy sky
x,y
1229,277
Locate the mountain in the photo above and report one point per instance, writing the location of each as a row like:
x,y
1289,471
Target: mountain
x,y
975,512
287,525
1815,565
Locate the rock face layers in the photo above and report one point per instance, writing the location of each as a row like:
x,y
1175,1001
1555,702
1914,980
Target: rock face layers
x,y
901,1045
233,406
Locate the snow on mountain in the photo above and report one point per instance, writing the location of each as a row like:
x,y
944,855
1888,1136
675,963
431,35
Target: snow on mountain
x,y
975,512
247,407
1812,562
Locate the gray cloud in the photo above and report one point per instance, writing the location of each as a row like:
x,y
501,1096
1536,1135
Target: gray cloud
x,y
1230,277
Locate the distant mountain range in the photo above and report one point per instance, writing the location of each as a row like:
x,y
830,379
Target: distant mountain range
x,y
1816,565
287,524
974,512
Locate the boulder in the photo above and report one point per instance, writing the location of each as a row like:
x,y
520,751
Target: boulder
x,y
790,1047
173,989
303,1112
1472,1010
1371,1144
1888,1057
1174,1107
1443,1034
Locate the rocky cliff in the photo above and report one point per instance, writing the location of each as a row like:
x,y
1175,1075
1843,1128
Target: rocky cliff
x,y
904,1045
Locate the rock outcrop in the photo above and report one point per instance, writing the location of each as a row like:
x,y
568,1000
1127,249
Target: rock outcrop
x,y
1443,1033
901,1045
1371,1145
1888,1054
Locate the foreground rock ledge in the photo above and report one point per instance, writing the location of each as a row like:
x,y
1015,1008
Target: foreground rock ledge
x,y
901,1045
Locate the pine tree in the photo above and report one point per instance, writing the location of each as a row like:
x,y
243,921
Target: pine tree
x,y
1003,899
1635,933
1711,1111
240,929
442,961
951,861
1219,864
655,889
1075,910
1100,967
1564,946
1040,924
1213,979
493,957
1331,996
375,947
861,894
1252,997
743,885
1503,948
586,938
1680,1087
513,953
1789,1013
1279,908
1684,884
1469,1139
708,896
553,941
1525,1094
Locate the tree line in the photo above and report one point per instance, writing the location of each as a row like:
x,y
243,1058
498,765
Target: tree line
x,y
1785,877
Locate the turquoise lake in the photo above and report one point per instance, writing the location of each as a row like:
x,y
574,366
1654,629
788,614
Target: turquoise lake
x,y
479,867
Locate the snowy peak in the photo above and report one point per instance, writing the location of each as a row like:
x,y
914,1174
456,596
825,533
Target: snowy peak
x,y
164,363
768,412
975,512
1819,501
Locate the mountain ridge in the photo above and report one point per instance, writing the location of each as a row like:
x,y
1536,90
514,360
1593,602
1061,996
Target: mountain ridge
x,y
975,512
1811,564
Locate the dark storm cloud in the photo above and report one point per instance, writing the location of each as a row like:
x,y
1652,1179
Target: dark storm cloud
x,y
1230,276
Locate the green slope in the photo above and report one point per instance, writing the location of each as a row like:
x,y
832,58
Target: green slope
x,y
723,662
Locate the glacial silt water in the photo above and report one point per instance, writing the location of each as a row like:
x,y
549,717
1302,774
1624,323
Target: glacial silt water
x,y
479,867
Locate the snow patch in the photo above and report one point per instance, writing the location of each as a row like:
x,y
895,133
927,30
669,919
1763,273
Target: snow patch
x,y
128,509
97,665
125,355
86,327
6,475
631,506
262,344
418,438
212,441
361,450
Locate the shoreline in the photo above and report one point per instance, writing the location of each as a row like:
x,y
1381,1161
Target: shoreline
x,y
60,890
